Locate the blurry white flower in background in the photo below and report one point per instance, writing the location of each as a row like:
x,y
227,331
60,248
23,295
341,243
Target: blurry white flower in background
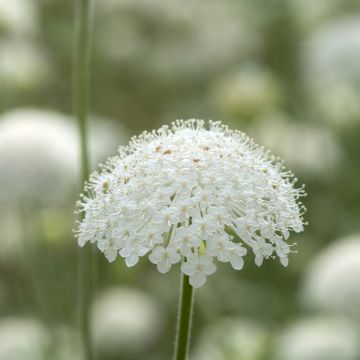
x,y
39,154
23,339
318,339
38,157
172,38
232,340
23,66
331,281
19,17
39,167
125,321
307,148
309,13
246,92
331,68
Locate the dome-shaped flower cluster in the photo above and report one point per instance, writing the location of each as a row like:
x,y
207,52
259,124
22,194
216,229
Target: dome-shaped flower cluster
x,y
188,192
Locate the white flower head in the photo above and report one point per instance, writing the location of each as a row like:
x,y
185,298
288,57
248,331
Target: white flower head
x,y
194,192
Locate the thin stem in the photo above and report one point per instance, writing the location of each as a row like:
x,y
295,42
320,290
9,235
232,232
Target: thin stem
x,y
82,51
85,294
183,335
81,98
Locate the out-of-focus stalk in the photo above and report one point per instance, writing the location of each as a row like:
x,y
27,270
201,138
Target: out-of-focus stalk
x,y
81,79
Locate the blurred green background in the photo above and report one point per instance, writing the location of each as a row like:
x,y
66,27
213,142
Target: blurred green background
x,y
287,72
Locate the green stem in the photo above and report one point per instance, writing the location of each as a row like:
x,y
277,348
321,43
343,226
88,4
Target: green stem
x,y
85,294
82,51
183,334
81,79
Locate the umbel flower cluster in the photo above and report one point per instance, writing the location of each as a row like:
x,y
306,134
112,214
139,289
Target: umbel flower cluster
x,y
194,194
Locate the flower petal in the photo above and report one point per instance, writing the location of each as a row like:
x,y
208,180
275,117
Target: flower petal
x,y
131,260
237,262
197,279
284,261
209,268
103,245
163,266
259,260
110,254
188,268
